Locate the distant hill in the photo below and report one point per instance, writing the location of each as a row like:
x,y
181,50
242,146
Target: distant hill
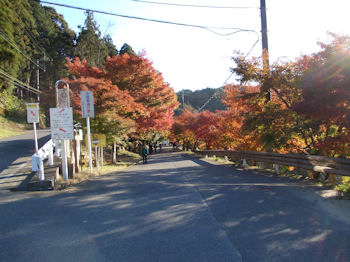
x,y
196,99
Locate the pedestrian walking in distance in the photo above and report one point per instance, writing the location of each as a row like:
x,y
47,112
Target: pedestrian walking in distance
x,y
144,155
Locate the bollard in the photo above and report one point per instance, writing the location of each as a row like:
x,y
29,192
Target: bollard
x,y
38,165
51,156
41,169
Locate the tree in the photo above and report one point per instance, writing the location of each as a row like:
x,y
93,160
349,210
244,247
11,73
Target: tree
x,y
16,23
89,45
111,49
196,99
135,76
126,49
115,109
325,96
55,42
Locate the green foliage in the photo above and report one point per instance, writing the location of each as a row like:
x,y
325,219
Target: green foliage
x,y
111,49
90,46
274,125
344,186
16,22
55,42
12,107
126,49
196,99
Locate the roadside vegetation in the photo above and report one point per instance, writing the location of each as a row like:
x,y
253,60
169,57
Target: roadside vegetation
x,y
11,128
300,106
124,159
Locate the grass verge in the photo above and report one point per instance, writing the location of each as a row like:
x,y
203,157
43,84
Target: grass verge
x,y
10,128
124,160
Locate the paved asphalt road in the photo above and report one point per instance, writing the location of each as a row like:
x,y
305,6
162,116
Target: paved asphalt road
x,y
15,153
175,208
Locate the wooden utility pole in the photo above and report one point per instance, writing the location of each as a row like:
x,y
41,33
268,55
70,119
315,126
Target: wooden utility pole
x,y
265,47
37,78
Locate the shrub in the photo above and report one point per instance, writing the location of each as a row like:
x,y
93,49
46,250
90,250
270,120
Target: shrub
x,y
345,185
12,107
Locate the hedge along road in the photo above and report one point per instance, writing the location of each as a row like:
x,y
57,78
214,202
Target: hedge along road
x,y
175,208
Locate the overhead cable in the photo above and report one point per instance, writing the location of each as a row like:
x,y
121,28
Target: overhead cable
x,y
209,28
231,74
34,41
16,82
14,45
197,6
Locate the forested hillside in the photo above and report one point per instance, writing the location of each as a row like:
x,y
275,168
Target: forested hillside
x,y
37,48
207,99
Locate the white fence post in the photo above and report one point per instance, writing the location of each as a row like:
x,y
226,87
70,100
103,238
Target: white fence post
x,y
41,169
277,168
51,155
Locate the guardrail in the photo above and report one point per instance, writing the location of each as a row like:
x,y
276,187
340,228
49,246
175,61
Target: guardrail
x,y
46,151
320,164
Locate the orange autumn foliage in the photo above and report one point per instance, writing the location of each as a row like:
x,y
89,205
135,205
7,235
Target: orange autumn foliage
x,y
128,87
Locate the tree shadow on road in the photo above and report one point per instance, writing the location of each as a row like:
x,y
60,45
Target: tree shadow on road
x,y
175,208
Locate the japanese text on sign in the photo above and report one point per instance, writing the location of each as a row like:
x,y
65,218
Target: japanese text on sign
x,y
87,104
61,120
33,113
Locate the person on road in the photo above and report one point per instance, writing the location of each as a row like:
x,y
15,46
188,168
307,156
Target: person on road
x,y
144,155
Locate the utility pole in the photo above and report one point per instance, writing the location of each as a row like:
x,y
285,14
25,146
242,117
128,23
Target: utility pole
x,y
37,77
265,47
183,99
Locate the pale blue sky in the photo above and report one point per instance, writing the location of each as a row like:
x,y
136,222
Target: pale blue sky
x,y
192,58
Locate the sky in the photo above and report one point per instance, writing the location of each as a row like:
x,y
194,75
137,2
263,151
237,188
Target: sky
x,y
196,58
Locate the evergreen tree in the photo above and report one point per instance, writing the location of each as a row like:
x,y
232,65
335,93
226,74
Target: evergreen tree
x,y
111,48
126,49
54,43
16,24
89,45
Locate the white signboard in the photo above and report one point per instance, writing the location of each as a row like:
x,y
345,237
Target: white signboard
x,y
61,120
63,98
87,104
33,113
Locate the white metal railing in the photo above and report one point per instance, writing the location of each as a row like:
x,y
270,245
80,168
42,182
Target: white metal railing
x,y
38,158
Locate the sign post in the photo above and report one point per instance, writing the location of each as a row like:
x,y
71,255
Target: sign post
x,y
87,111
33,117
61,121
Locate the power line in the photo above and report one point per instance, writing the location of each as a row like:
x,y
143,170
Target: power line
x,y
209,28
14,45
34,41
16,82
215,93
197,6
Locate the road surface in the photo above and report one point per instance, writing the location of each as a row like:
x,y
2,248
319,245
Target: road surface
x,y
15,157
175,208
